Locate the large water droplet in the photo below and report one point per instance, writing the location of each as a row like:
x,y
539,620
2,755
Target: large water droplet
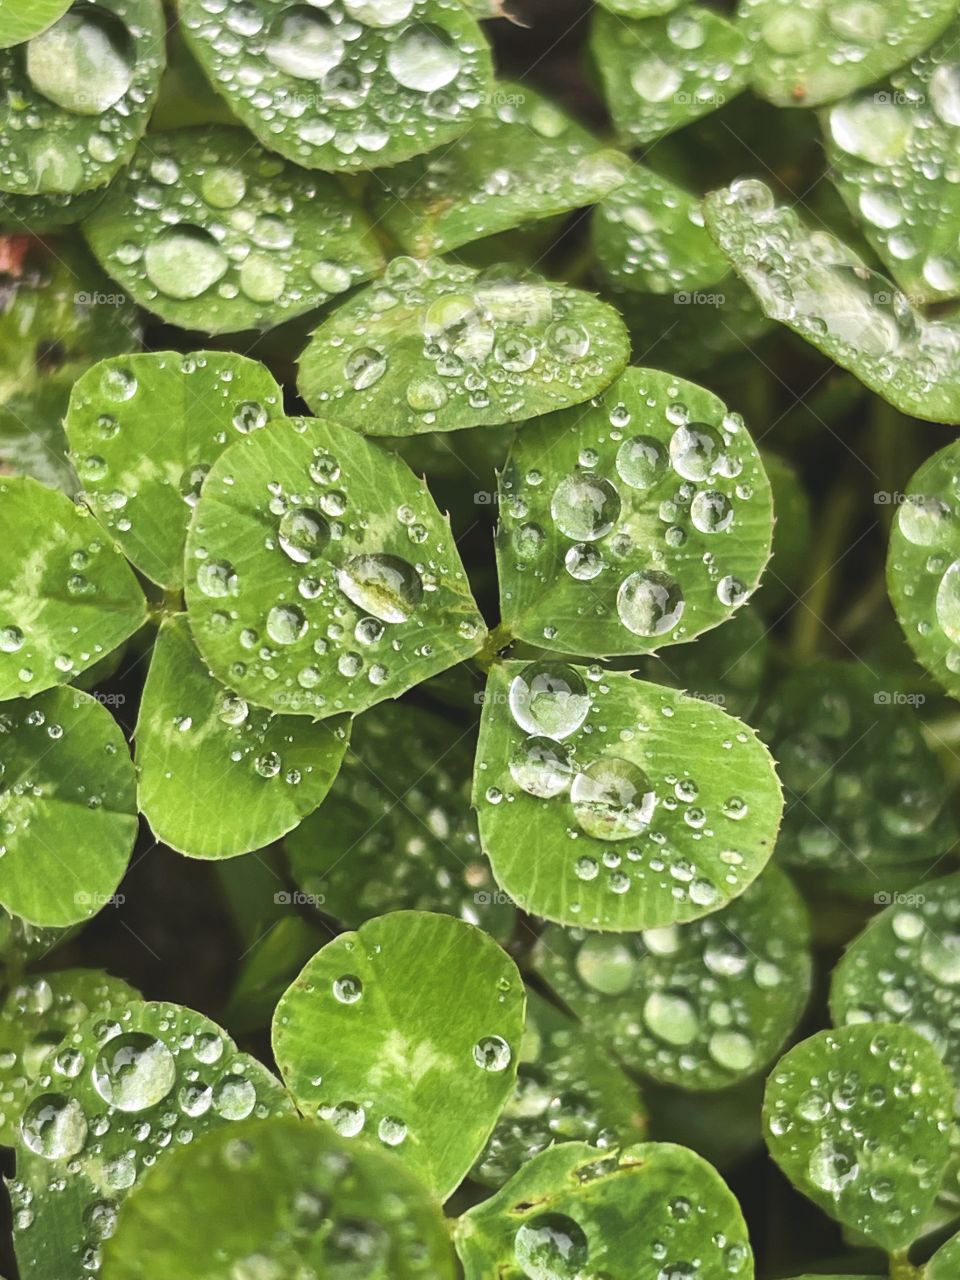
x,y
423,59
641,461
54,1127
607,964
84,63
304,43
549,699
696,450
551,1246
492,1053
613,799
541,767
650,603
303,534
385,586
134,1071
948,602
184,262
286,624
585,506
671,1017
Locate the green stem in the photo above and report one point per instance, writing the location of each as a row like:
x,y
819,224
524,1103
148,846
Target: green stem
x,y
902,1269
497,640
809,622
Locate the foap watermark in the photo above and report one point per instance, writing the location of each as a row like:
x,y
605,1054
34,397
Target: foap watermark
x,y
889,498
85,898
109,699
297,898
698,298
897,98
896,698
703,98
886,898
484,498
98,299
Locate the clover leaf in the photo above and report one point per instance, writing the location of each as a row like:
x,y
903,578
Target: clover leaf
x,y
329,1208
923,567
21,19
230,236
438,347
83,90
67,597
821,289
867,806
527,160
123,1090
565,1092
700,1005
217,776
890,158
649,237
380,1036
320,575
804,55
858,1121
396,831
638,522
328,89
612,804
904,967
145,429
36,1016
661,72
640,8
643,1211
68,804
944,1262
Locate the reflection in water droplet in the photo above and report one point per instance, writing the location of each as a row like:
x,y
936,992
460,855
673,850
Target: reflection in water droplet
x,y
613,799
134,1071
551,1246
641,461
671,1017
541,767
84,63
549,699
54,1127
385,586
304,43
184,262
948,602
492,1053
650,603
303,534
423,59
286,624
607,964
696,450
585,506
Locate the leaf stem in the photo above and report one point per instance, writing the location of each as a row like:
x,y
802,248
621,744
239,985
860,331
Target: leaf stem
x,y
902,1269
815,599
497,640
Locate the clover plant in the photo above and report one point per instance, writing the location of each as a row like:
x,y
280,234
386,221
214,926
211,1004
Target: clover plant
x,y
479,639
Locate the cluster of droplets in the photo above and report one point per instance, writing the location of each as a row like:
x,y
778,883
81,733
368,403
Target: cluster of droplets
x,y
701,1004
906,968
351,83
862,786
213,222
494,343
819,287
341,614
607,797
672,69
649,235
118,1092
644,496
858,1124
925,563
77,98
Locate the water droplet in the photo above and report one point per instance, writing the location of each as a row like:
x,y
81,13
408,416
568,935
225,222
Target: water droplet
x,y
391,1131
11,639
385,586
607,964
551,1246
134,1071
549,699
348,989
711,511
696,450
613,799
641,461
54,1127
184,262
585,506
303,534
84,63
423,59
671,1017
304,43
541,767
286,624
492,1053
650,603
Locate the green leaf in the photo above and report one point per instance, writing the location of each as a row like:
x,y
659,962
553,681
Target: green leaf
x,y
662,72
268,968
30,214
396,831
36,1016
574,1211
904,967
357,85
217,776
437,347
320,575
891,157
639,522
726,666
923,567
229,236
867,802
858,1121
122,1092
68,807
701,1005
67,597
144,431
407,1032
566,1092
528,160
804,56
616,805
84,89
648,237
21,19
945,1263
280,1198
22,943
818,287
640,8
60,314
